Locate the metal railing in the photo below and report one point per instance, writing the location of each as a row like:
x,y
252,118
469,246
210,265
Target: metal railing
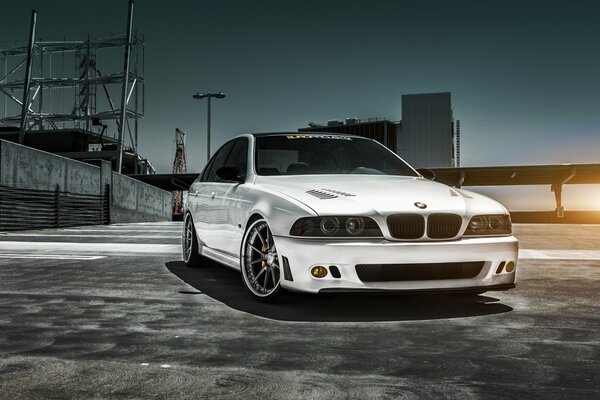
x,y
37,209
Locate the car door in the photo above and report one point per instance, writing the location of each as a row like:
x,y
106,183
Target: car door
x,y
235,200
196,198
209,215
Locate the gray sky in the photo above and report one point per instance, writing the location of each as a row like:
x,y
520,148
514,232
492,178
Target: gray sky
x,y
524,75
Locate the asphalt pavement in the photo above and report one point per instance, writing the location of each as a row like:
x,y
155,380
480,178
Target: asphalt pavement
x,y
111,312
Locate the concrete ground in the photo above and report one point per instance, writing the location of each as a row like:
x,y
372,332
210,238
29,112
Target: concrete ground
x,y
111,312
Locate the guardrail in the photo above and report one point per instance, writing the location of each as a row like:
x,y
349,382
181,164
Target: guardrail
x,y
37,209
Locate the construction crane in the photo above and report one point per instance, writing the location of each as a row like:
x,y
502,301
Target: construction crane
x,y
179,167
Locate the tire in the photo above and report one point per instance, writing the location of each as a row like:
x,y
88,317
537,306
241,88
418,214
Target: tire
x,y
259,263
189,243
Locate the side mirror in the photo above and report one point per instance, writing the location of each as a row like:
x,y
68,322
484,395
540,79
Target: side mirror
x,y
427,173
229,174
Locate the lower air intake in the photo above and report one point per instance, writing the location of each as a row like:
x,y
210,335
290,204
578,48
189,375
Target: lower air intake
x,y
418,272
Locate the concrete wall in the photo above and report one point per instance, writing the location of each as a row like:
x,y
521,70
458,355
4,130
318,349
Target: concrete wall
x,y
26,168
131,200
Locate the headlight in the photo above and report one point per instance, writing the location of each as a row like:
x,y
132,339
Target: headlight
x,y
355,225
332,226
489,225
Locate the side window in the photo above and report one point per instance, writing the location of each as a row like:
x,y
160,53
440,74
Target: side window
x,y
239,156
218,161
204,175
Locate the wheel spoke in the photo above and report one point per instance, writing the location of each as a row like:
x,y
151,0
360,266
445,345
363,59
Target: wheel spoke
x,y
264,243
258,275
273,278
266,278
256,250
255,261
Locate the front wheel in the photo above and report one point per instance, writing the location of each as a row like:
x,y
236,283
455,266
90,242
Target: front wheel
x,y
259,262
189,243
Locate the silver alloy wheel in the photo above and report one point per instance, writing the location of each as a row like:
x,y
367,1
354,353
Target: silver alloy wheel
x,y
260,267
188,237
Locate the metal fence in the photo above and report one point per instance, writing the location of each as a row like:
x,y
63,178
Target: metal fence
x,y
37,209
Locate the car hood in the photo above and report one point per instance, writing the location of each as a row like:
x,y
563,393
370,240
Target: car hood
x,y
381,194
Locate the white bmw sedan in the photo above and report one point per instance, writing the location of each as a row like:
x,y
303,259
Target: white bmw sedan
x,y
335,213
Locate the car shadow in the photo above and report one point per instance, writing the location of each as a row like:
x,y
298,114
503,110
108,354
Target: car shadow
x,y
225,285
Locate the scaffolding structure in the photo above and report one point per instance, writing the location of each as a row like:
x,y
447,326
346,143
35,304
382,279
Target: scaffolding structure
x,y
179,167
72,87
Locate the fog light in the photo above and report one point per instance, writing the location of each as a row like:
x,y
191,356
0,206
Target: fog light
x,y
510,266
318,272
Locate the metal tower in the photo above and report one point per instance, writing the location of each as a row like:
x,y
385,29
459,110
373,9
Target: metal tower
x,y
179,167
64,89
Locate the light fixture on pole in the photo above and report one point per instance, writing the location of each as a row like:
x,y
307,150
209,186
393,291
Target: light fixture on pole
x,y
208,96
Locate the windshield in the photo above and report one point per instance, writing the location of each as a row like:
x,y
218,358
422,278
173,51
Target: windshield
x,y
325,154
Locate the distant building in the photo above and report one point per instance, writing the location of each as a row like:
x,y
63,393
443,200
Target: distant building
x,y
426,137
384,131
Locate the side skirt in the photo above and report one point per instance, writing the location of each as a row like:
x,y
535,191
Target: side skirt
x,y
222,258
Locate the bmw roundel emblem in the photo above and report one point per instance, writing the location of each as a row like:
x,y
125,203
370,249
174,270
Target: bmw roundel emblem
x,y
420,205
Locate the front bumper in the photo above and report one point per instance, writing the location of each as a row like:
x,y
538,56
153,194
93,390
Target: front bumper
x,y
303,254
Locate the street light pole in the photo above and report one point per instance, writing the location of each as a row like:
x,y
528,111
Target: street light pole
x,y
208,96
207,129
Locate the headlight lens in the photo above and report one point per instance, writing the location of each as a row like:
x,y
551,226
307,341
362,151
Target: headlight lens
x,y
355,225
489,225
334,226
329,226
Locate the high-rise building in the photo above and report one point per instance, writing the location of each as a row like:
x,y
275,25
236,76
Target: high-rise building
x,y
426,137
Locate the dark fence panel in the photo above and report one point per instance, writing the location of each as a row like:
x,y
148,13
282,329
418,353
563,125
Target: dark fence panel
x,y
36,209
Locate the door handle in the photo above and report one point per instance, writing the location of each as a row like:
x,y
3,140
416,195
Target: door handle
x,y
212,195
194,193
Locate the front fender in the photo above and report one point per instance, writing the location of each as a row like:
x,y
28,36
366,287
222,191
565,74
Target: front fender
x,y
279,210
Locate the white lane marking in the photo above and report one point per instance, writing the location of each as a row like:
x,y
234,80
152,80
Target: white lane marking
x,y
107,248
50,256
51,235
534,254
145,364
165,365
